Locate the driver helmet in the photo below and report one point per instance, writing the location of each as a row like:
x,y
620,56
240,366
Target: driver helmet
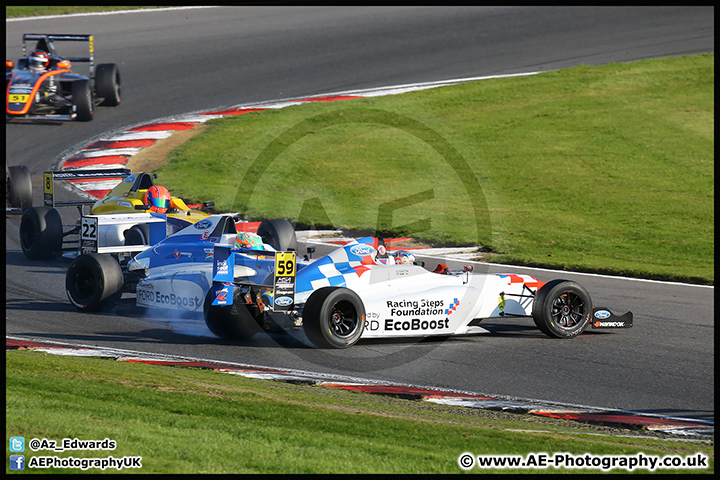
x,y
249,241
157,198
403,257
39,61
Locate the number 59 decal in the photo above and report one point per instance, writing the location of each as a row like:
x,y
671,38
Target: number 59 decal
x,y
285,264
284,287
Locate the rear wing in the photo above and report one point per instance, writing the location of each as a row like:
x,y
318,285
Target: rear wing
x,y
226,261
45,42
49,178
90,231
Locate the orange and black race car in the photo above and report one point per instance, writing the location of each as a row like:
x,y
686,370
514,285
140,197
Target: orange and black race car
x,y
42,86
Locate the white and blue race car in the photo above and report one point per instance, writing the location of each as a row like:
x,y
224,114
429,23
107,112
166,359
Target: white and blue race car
x,y
359,290
173,272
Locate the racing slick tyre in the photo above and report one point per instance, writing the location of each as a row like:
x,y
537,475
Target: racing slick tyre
x,y
279,233
94,281
107,84
334,317
137,235
41,233
562,309
83,99
19,187
232,322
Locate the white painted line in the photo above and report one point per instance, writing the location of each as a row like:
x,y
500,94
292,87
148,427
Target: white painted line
x,y
116,12
200,118
108,152
409,87
597,275
144,135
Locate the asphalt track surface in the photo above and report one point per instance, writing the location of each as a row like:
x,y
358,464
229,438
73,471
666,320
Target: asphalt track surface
x,y
175,62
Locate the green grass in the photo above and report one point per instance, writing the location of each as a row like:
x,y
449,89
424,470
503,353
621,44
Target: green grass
x,y
604,169
41,10
183,420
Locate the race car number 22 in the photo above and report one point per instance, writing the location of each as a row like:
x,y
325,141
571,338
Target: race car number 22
x,y
89,234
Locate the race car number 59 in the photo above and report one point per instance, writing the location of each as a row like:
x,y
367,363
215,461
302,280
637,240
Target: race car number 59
x,y
285,264
284,288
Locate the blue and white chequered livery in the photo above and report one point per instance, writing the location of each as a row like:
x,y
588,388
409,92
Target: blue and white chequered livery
x,y
343,267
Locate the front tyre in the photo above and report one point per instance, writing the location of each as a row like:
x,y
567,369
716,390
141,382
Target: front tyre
x,y
107,84
83,99
94,281
334,317
562,309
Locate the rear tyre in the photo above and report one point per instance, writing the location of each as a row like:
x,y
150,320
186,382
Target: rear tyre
x,y
334,317
137,235
41,233
233,322
107,84
562,309
20,187
94,281
83,100
279,233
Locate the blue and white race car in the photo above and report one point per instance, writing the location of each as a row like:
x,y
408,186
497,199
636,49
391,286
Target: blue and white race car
x,y
174,272
361,291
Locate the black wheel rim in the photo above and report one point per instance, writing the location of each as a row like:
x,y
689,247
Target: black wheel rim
x,y
568,310
343,319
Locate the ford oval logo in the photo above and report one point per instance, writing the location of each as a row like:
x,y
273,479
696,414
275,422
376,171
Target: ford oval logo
x,y
203,224
283,301
602,314
361,250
